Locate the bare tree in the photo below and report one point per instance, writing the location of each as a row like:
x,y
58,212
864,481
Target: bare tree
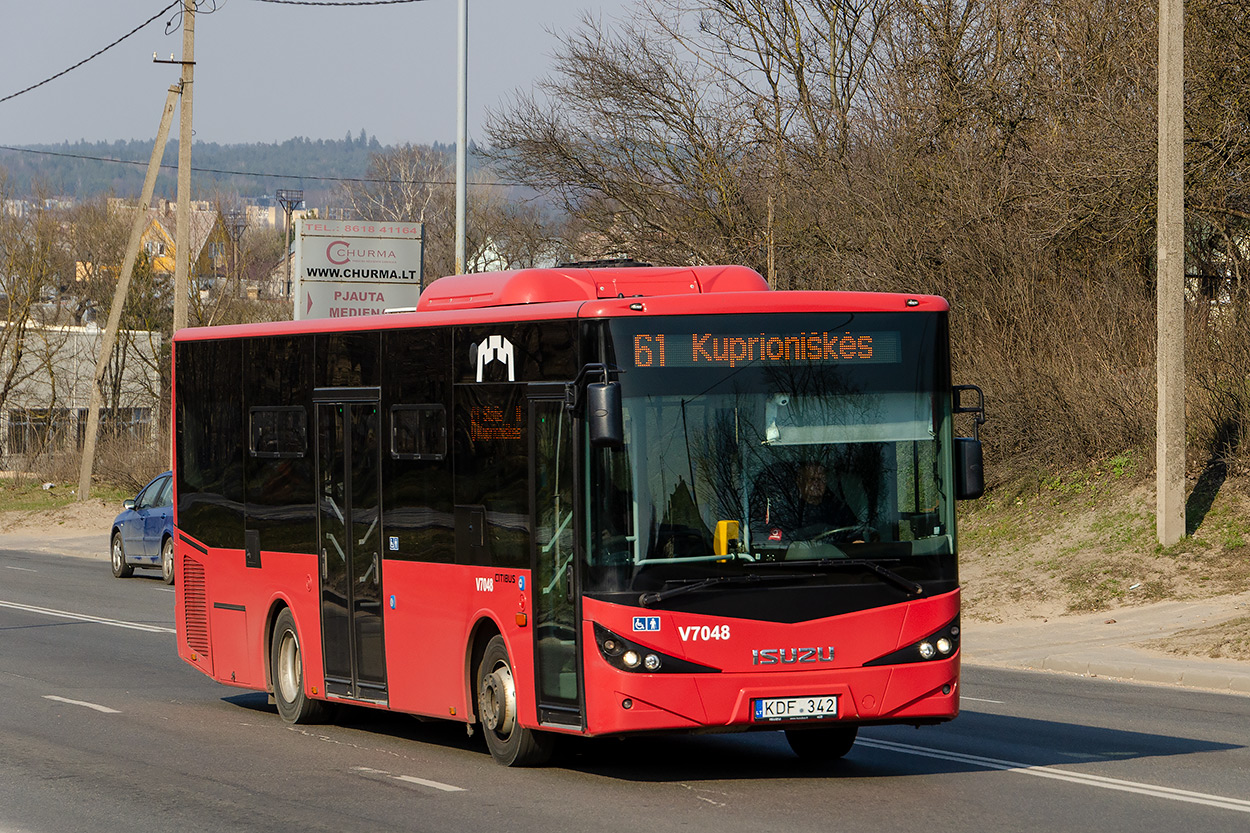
x,y
997,152
32,265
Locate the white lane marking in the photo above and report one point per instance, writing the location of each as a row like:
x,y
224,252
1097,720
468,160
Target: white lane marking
x,y
82,617
409,779
23,569
82,703
981,699
447,788
1170,793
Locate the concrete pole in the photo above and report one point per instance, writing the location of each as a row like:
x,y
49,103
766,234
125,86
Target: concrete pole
x,y
119,295
1170,346
462,134
182,235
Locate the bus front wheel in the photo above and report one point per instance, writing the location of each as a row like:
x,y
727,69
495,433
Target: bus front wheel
x,y
286,664
824,744
510,743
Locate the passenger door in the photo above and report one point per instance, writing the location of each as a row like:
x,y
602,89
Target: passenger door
x,y
556,614
350,543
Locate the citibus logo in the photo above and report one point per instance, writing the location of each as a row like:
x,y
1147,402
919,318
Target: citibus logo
x,y
493,349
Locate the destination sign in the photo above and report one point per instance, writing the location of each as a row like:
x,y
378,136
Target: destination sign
x,y
488,422
734,350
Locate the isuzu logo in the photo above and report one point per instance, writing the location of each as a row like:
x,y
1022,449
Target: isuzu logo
x,y
790,656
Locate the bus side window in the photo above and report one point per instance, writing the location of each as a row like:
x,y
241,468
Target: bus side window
x,y
418,432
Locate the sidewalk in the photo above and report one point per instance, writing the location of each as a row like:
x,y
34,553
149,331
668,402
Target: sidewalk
x,y
94,545
1114,644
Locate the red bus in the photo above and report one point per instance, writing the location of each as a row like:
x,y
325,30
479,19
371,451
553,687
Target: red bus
x,y
581,501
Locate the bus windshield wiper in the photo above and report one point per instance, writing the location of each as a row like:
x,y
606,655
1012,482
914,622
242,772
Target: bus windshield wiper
x,y
889,575
648,599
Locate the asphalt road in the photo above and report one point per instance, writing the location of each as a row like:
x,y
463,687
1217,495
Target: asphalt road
x,y
103,729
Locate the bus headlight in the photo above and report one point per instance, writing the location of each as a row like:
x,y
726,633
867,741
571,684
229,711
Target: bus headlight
x,y
939,645
626,655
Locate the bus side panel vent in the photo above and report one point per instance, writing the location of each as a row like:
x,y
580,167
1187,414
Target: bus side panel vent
x,y
195,596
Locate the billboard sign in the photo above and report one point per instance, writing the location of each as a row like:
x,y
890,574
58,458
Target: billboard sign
x,y
345,268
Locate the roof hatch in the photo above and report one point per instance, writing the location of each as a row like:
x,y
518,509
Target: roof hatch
x,y
546,286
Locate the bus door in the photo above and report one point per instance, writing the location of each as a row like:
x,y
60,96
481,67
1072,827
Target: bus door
x,y
350,542
555,610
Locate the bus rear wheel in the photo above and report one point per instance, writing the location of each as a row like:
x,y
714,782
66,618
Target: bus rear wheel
x,y
286,664
825,744
510,744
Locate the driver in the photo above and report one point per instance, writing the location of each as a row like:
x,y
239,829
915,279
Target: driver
x,y
818,508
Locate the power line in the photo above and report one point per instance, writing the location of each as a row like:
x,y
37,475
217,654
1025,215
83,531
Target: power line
x,y
253,173
154,17
93,55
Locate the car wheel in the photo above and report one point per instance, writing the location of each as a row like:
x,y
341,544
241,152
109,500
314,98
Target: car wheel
x,y
824,744
509,744
167,560
286,663
118,555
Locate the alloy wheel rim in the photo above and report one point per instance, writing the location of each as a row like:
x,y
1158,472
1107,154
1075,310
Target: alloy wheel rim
x,y
288,672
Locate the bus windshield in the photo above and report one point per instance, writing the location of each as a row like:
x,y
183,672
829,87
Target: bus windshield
x,y
797,439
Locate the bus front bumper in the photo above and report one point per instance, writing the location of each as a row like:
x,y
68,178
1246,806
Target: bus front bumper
x,y
626,702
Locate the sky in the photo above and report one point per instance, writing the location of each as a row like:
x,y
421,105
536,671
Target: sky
x,y
266,72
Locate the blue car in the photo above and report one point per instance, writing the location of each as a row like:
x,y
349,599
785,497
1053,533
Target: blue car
x,y
143,534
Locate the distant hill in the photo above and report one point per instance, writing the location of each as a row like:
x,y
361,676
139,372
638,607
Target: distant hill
x,y
62,169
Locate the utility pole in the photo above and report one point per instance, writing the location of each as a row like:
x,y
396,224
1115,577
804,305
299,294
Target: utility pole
x,y
235,221
462,133
290,199
182,235
1170,283
109,338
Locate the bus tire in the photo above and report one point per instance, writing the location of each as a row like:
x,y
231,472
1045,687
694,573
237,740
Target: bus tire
x,y
286,663
510,744
825,744
117,554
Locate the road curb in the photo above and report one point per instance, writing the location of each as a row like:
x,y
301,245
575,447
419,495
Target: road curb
x,y
1226,681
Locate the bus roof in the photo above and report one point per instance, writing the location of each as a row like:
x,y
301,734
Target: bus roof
x,y
545,294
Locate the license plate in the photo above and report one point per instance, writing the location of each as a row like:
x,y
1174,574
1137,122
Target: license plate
x,y
775,709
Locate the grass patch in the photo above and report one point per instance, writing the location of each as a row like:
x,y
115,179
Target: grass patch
x,y
1123,530
1228,640
1085,541
31,496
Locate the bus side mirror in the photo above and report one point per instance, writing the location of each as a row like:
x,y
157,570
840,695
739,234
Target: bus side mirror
x,y
603,413
969,476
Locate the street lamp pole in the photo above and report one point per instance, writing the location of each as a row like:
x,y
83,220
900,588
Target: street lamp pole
x,y
462,133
